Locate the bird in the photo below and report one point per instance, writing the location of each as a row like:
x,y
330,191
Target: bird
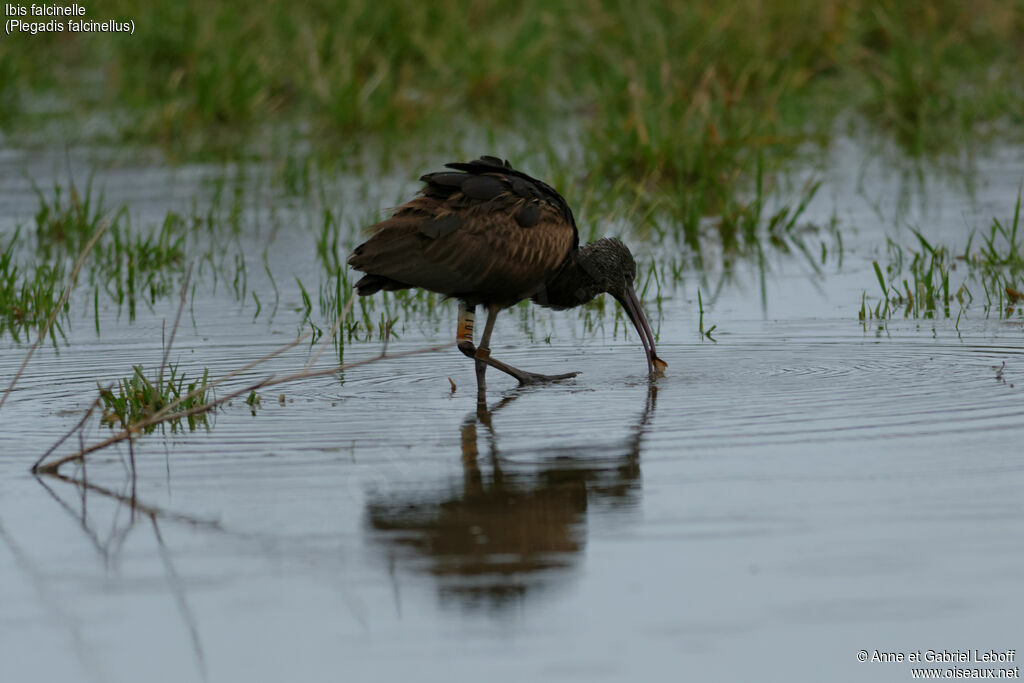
x,y
489,235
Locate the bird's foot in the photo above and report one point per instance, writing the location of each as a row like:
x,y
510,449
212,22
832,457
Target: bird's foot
x,y
483,358
527,378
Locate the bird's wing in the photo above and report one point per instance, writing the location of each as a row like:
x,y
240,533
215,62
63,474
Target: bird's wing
x,y
484,232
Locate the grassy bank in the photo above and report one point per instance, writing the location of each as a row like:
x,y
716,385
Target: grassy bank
x,y
684,96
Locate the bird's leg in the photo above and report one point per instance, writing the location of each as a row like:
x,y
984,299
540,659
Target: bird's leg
x,y
483,355
482,352
464,340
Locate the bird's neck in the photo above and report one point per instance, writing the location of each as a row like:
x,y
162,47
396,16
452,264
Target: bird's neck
x,y
572,284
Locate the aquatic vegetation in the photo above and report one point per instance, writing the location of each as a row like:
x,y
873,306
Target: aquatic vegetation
x,y
923,291
297,176
138,398
132,265
327,243
65,223
999,264
743,225
254,401
28,296
128,264
700,323
918,280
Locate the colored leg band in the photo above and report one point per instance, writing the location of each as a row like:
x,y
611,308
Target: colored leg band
x,y
466,321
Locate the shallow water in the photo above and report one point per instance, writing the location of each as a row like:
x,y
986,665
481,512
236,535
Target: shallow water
x,y
805,487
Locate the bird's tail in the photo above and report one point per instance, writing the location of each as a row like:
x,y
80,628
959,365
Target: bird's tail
x,y
371,284
393,246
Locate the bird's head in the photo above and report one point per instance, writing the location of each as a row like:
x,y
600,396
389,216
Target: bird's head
x,y
611,265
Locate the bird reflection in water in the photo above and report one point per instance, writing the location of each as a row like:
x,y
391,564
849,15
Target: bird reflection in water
x,y
511,529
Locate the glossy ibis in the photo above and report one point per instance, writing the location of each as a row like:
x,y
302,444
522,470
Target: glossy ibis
x,y
487,234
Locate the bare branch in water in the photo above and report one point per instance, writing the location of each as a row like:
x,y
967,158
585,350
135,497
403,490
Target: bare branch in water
x,y
165,415
77,427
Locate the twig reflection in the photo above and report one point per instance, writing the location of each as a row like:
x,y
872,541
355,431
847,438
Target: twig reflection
x,y
109,546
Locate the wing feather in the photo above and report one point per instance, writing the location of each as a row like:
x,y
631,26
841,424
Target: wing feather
x,y
485,233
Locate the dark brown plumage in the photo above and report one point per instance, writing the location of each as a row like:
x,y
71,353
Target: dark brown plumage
x,y
490,235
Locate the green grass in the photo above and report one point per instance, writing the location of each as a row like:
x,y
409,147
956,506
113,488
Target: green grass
x,y
927,280
28,296
938,71
65,223
700,323
999,263
138,397
130,265
133,266
683,97
922,288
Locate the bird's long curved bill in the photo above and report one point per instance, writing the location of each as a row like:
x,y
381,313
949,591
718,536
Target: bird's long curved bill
x,y
635,312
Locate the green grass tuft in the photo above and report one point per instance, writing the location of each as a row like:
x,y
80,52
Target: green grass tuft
x,y
923,288
137,398
29,296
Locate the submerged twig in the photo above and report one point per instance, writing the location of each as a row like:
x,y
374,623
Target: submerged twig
x,y
77,427
56,311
